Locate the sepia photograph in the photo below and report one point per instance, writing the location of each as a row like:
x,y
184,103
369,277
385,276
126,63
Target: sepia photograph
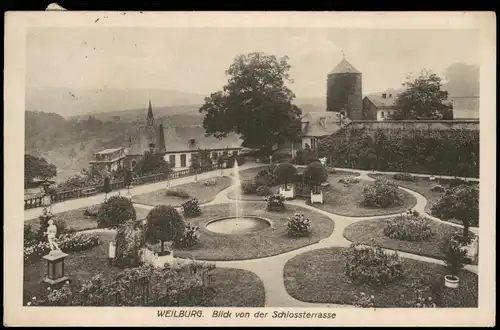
x,y
264,172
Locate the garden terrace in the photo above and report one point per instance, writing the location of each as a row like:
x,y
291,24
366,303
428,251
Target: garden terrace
x,y
318,277
363,232
265,243
77,220
346,200
198,190
234,287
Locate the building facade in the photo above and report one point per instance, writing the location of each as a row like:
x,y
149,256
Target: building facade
x,y
109,159
378,108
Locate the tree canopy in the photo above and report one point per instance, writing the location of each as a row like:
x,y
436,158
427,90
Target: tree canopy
x,y
37,168
164,223
423,98
255,103
152,163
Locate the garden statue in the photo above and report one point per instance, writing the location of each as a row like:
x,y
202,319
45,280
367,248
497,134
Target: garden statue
x,y
51,236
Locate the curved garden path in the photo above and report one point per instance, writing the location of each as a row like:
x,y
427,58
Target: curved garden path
x,y
270,269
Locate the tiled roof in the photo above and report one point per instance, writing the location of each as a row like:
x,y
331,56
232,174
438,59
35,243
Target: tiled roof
x,y
108,151
344,67
380,102
313,123
177,139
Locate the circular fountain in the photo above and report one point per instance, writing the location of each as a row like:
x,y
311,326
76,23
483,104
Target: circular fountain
x,y
238,225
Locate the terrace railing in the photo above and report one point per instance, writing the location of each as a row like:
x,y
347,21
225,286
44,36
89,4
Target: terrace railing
x,y
61,196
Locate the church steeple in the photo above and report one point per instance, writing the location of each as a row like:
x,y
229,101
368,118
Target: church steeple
x,y
150,119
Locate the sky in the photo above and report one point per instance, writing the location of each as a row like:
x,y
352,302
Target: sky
x,y
195,59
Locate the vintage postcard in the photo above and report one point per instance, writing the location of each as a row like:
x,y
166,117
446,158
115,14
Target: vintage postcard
x,y
250,168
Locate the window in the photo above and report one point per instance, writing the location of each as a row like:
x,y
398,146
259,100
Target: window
x,y
171,160
215,154
235,153
132,164
382,114
183,160
313,143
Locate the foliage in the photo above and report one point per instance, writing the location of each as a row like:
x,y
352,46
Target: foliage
x,y
282,156
181,193
200,159
364,300
91,210
298,225
264,178
406,150
275,202
152,163
67,242
106,188
263,191
37,168
191,208
381,194
86,178
438,188
421,294
371,265
210,182
315,175
305,157
164,223
408,228
256,96
455,256
331,170
230,161
30,236
348,180
423,98
129,242
404,177
461,203
249,187
285,173
190,238
115,211
44,223
128,178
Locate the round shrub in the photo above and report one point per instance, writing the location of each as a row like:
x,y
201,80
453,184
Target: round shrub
x,y
164,223
115,211
249,187
408,228
404,177
91,210
276,202
438,188
191,208
460,203
381,194
347,180
285,173
264,191
190,238
298,225
129,242
372,265
263,178
315,175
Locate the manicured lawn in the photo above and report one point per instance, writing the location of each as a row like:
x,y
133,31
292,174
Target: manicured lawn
x,y
423,186
364,231
267,242
318,276
346,200
197,190
234,287
77,220
251,172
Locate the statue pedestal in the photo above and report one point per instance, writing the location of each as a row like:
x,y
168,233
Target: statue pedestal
x,y
55,267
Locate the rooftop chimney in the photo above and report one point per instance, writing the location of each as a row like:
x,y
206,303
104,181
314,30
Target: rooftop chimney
x,y
384,95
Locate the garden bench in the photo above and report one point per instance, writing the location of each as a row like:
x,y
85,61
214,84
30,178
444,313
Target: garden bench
x,y
89,191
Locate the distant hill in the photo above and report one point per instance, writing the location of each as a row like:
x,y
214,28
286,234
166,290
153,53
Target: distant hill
x,y
69,102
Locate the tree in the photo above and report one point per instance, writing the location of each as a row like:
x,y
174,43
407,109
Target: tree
x,y
152,163
106,187
200,159
164,223
115,211
37,168
285,173
423,99
315,175
127,180
255,103
129,241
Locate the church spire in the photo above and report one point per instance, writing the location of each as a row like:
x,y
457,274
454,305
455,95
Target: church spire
x,y
150,118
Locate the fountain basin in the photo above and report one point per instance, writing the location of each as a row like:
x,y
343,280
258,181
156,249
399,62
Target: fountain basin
x,y
238,225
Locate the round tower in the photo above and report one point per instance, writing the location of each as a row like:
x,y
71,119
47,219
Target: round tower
x,y
344,92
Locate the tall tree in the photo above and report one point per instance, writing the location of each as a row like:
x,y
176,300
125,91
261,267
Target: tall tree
x,y
152,163
423,98
255,103
37,168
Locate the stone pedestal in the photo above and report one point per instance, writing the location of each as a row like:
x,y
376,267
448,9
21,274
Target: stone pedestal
x,y
55,267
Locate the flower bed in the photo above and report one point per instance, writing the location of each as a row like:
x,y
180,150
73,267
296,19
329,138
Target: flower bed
x,y
67,243
318,276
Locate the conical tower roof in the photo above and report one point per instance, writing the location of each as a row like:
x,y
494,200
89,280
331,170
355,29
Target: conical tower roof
x,y
344,67
150,111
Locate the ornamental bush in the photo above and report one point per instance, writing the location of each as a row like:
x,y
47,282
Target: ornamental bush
x,y
115,211
275,202
91,210
404,177
190,238
381,194
67,243
372,265
210,182
181,193
263,191
460,203
315,175
298,225
408,227
191,208
285,173
164,223
129,242
348,180
249,187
